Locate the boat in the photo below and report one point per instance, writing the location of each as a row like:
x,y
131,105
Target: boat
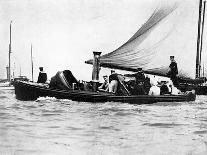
x,y
143,50
32,91
6,86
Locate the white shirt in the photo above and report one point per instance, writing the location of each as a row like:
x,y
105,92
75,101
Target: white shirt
x,y
175,91
154,90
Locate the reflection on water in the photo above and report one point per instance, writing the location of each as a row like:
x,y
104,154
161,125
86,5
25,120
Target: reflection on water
x,y
52,126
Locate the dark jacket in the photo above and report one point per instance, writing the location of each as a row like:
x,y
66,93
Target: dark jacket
x,y
113,77
42,78
173,69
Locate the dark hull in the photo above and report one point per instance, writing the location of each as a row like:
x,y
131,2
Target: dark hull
x,y
199,90
31,91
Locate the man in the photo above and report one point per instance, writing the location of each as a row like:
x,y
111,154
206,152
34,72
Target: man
x,y
42,78
173,71
164,88
113,82
105,85
138,88
139,76
154,90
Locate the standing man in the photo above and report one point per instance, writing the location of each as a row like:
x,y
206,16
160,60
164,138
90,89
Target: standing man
x,y
173,71
113,82
42,78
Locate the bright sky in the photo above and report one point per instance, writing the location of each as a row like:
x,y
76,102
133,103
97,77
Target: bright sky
x,y
64,33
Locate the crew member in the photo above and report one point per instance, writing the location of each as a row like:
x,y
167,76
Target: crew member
x,y
113,82
154,90
140,78
105,84
42,78
137,88
173,71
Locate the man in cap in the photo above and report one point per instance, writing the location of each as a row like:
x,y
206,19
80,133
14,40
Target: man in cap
x,y
42,78
140,78
105,84
138,88
113,82
173,71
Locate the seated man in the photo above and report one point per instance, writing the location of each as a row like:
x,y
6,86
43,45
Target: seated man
x,y
147,85
138,86
105,84
154,90
42,78
139,76
113,82
173,89
164,88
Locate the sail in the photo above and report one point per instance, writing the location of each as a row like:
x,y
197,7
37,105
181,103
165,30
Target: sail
x,y
170,30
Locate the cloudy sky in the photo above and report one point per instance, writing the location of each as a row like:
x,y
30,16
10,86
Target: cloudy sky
x,y
64,33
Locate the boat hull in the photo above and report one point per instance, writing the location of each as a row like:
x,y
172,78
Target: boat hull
x,y
199,89
31,91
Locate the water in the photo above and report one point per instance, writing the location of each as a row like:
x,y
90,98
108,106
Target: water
x,y
52,126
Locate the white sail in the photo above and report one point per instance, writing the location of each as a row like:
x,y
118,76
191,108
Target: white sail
x,y
171,30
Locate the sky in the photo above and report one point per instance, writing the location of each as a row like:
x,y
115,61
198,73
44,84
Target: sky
x,y
64,33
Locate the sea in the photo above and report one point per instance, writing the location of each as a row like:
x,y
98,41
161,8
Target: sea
x,y
50,126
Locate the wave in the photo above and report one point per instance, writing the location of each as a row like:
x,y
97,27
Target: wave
x,y
163,125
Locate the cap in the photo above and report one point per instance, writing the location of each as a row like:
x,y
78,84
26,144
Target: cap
x,y
112,71
139,69
172,56
105,76
40,67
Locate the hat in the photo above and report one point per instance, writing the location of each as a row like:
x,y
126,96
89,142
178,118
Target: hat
x,y
139,69
112,71
105,76
172,56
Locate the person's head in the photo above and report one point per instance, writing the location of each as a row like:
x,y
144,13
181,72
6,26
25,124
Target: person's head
x,y
105,77
139,70
161,83
172,58
112,71
41,68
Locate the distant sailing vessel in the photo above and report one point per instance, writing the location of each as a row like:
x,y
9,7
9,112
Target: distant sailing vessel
x,y
149,48
6,84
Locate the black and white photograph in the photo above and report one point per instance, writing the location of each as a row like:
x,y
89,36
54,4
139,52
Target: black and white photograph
x,y
103,77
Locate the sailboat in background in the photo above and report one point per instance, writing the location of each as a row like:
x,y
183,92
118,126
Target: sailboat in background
x,y
170,30
6,84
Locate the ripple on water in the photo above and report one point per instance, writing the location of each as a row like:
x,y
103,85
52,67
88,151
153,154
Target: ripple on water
x,y
104,126
200,132
3,97
73,128
163,125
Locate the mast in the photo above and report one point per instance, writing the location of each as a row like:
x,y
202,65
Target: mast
x,y
32,62
201,40
198,41
9,71
20,71
14,70
203,70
